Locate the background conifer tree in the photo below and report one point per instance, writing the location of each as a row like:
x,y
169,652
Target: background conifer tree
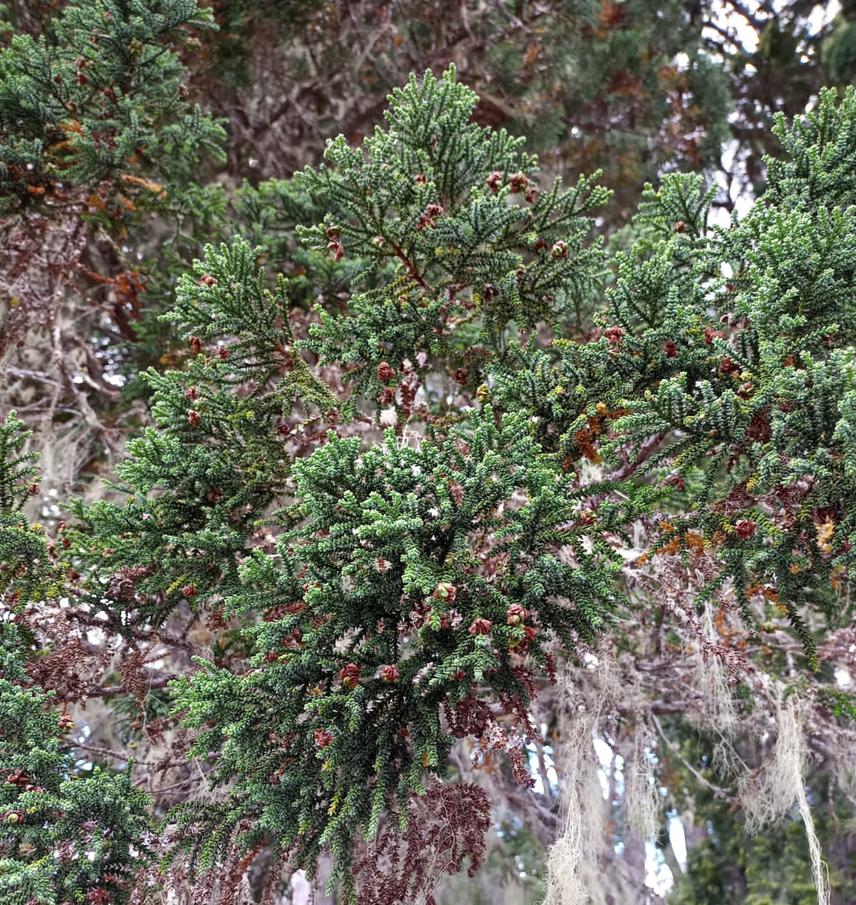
x,y
65,836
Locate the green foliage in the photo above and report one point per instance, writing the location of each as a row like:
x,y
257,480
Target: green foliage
x,y
377,619
23,550
64,837
730,354
626,86
448,216
18,471
217,458
267,217
99,97
817,165
427,415
841,703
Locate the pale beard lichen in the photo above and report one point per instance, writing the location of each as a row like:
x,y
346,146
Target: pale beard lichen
x,y
771,794
642,803
717,700
572,874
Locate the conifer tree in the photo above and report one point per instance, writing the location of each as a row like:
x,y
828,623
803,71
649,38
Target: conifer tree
x,y
473,242
398,589
435,477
